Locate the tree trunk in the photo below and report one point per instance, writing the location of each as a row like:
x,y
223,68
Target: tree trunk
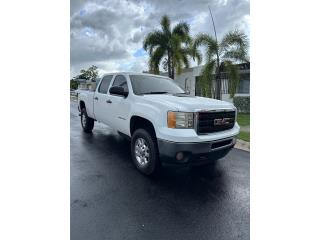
x,y
172,71
217,93
169,64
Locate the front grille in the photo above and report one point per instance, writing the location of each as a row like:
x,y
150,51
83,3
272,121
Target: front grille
x,y
209,122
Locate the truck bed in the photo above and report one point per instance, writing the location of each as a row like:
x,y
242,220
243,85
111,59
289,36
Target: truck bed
x,y
87,97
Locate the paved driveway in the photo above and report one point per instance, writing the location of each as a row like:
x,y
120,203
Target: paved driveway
x,y
111,200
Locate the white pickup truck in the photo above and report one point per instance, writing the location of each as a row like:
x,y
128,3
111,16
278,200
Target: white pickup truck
x,y
166,125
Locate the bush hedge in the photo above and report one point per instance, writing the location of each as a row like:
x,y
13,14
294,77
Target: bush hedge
x,y
242,104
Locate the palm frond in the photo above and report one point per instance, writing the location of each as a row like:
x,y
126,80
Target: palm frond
x,y
236,37
165,24
182,29
233,76
177,60
238,55
207,41
197,56
206,77
155,59
152,40
194,52
185,60
234,46
176,41
210,44
181,60
181,54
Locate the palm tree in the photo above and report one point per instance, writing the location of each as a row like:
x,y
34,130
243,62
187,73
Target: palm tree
x,y
171,47
232,49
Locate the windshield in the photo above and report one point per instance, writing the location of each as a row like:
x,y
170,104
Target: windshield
x,y
143,84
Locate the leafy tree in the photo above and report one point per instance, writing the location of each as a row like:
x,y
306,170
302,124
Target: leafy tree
x,y
73,84
89,74
172,47
232,49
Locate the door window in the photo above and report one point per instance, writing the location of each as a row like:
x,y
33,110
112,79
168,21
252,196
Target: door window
x,y
120,81
105,83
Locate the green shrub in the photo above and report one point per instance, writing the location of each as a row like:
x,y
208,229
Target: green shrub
x,y
245,136
242,104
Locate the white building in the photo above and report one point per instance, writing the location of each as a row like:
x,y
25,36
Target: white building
x,y
86,84
189,80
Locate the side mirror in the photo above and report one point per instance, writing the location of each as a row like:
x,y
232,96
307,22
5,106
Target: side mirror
x,y
117,90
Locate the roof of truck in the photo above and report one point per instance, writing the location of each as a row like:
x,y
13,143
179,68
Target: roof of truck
x,y
134,73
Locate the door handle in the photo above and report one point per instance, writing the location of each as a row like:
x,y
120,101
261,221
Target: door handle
x,y
96,98
109,101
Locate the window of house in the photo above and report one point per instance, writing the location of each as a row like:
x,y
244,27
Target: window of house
x,y
244,86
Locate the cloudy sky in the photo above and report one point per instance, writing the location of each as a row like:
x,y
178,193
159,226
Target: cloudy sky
x,y
109,33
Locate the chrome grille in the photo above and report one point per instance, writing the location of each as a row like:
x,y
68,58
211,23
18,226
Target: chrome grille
x,y
209,122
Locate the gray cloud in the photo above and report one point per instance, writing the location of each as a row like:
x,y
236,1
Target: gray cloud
x,y
107,33
91,51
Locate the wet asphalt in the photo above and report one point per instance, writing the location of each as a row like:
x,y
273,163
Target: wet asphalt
x,y
110,199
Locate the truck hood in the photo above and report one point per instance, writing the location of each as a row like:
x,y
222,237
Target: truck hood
x,y
187,103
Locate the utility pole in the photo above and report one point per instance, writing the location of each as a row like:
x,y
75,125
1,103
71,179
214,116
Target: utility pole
x,y
217,93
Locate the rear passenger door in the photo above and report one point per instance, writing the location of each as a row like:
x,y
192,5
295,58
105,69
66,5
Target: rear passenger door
x,y
100,106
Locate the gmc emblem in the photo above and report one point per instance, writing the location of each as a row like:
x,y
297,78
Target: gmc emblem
x,y
221,121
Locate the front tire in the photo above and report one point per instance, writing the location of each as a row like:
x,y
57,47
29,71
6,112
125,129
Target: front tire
x,y
87,122
144,152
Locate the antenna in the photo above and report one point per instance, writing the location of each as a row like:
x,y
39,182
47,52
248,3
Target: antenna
x,y
214,27
218,81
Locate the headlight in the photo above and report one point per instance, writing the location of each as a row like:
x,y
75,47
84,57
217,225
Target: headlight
x,y
236,113
180,120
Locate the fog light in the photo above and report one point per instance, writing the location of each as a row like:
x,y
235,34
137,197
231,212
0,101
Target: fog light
x,y
179,156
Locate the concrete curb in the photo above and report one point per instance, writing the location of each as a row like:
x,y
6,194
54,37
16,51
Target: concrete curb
x,y
243,145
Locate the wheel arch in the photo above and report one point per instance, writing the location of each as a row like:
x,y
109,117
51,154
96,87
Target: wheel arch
x,y
137,122
82,104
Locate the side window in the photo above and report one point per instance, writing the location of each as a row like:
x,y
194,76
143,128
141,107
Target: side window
x,y
105,82
97,80
121,81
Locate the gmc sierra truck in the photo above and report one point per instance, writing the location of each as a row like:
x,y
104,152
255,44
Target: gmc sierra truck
x,y
166,126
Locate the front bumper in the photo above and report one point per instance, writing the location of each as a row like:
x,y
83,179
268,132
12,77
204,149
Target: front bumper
x,y
196,153
191,136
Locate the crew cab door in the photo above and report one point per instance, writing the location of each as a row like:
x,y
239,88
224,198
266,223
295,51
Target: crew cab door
x,y
100,106
120,106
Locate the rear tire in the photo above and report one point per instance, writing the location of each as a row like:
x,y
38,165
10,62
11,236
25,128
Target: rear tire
x,y
87,122
144,152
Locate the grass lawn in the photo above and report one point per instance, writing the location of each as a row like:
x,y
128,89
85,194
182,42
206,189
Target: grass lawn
x,y
245,136
243,119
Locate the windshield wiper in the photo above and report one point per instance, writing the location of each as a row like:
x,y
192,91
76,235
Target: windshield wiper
x,y
154,93
183,93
